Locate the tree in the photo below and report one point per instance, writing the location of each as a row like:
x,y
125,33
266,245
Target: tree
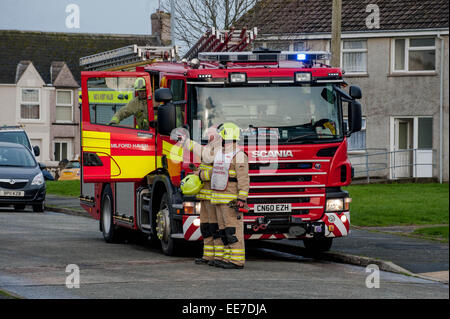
x,y
194,17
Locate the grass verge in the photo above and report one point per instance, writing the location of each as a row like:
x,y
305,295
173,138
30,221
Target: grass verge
x,y
399,204
64,188
438,232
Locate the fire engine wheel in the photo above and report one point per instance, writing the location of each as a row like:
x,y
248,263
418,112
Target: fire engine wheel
x,y
163,231
108,228
315,245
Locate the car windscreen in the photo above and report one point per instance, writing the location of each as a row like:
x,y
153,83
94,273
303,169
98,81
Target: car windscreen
x,y
73,165
17,157
17,137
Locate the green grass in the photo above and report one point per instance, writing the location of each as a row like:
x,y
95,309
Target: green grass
x,y
64,188
399,204
437,232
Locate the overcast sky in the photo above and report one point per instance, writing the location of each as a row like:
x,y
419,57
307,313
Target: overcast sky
x,y
95,16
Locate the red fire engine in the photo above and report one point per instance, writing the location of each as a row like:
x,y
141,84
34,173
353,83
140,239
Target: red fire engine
x,y
289,105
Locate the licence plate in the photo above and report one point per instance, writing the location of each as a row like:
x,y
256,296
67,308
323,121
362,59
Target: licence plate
x,y
12,193
272,208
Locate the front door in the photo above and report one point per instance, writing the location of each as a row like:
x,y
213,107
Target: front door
x,y
117,131
403,155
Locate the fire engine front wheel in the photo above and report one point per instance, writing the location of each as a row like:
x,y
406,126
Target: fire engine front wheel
x,y
163,229
106,219
315,245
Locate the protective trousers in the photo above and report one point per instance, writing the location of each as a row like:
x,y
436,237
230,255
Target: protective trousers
x,y
232,235
210,224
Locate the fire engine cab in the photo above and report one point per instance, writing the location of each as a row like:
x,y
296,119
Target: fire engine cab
x,y
290,107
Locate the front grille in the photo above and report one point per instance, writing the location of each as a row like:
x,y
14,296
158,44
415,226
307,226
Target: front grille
x,y
280,178
277,190
278,200
17,185
275,165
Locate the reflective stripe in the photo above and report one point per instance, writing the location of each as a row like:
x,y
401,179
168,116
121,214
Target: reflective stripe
x,y
237,258
207,177
205,167
191,145
243,193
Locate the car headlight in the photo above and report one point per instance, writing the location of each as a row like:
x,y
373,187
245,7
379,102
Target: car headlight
x,y
335,205
38,179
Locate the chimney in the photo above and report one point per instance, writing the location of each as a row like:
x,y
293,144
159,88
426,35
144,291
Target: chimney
x,y
161,26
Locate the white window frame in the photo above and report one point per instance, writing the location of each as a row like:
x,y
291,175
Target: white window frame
x,y
363,128
64,105
30,103
354,51
406,56
69,149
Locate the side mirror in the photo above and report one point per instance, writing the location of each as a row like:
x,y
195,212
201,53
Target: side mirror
x,y
354,117
167,118
355,92
36,150
163,95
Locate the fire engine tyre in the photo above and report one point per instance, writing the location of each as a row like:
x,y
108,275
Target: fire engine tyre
x,y
316,245
163,228
110,231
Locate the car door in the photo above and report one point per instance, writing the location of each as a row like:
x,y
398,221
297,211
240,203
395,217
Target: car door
x,y
122,152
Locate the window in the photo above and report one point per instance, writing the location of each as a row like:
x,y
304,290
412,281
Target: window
x,y
64,103
425,133
177,88
30,104
413,55
354,56
357,141
114,101
61,151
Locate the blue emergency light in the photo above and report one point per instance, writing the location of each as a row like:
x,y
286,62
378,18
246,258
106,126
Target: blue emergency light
x,y
265,56
301,57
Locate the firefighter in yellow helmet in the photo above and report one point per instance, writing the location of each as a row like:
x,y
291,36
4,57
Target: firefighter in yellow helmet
x,y
210,223
230,181
137,107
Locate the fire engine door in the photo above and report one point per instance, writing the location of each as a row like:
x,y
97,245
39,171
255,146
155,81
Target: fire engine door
x,y
117,129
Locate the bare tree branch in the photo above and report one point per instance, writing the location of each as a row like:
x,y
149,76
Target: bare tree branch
x,y
194,17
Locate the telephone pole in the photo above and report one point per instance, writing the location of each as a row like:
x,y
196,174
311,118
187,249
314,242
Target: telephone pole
x,y
336,33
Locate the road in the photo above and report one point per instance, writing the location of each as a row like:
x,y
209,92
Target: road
x,y
36,248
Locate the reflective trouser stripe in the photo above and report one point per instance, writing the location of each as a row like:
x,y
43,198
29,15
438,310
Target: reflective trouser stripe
x,y
208,250
227,255
237,254
218,251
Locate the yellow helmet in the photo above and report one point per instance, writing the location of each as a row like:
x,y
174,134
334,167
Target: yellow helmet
x,y
139,84
191,185
229,131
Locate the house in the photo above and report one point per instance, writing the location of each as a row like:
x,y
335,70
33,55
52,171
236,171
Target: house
x,y
40,79
397,52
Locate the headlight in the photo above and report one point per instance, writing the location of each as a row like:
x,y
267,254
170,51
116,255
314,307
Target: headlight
x,y
38,179
302,77
335,205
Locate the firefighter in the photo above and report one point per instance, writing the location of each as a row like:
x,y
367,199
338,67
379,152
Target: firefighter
x,y
137,107
210,223
230,182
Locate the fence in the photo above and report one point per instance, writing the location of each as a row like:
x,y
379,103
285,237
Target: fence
x,y
380,164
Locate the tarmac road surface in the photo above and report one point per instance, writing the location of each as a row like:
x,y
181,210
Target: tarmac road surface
x,y
36,248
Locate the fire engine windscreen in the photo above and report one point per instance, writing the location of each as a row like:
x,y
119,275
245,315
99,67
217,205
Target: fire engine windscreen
x,y
284,112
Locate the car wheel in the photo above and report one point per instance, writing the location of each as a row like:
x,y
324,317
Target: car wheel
x,y
110,231
38,208
19,207
317,245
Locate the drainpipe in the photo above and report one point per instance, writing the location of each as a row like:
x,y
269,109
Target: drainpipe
x,y
441,99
